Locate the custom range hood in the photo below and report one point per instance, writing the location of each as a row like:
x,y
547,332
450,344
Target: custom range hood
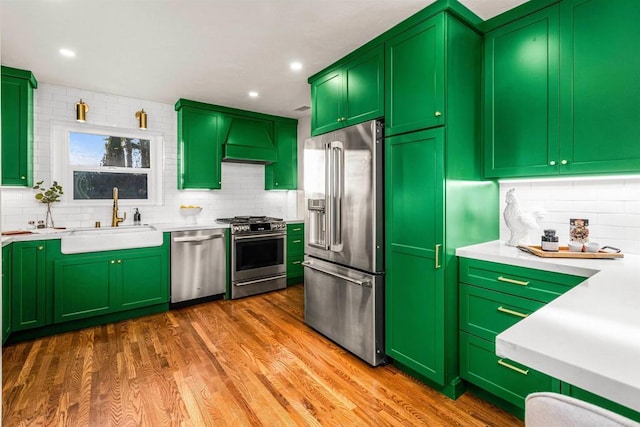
x,y
248,140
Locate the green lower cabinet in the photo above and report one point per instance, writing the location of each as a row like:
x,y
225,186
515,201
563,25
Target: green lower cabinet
x,y
28,290
6,292
100,283
143,279
295,253
586,396
504,378
84,287
486,313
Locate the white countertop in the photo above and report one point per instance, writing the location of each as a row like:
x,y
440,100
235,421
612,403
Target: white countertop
x,y
588,337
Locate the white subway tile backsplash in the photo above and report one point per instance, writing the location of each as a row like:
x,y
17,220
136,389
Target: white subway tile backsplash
x,y
242,190
612,206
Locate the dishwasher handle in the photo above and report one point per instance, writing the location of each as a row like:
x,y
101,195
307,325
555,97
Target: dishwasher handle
x,y
365,283
197,239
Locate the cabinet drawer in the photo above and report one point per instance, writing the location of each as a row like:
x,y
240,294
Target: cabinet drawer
x,y
295,229
506,379
530,283
294,266
486,313
295,245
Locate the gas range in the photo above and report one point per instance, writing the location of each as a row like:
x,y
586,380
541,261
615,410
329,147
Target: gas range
x,y
254,224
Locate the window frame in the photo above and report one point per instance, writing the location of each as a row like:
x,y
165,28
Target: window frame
x,y
62,170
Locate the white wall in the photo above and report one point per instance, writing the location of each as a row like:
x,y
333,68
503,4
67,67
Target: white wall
x,y
612,206
242,190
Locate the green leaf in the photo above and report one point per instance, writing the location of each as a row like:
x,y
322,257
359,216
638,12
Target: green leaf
x,y
39,196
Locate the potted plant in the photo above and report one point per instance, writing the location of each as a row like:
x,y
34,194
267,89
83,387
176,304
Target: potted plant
x,y
48,196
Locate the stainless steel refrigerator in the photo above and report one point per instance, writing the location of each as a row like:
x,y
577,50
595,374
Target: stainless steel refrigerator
x,y
344,229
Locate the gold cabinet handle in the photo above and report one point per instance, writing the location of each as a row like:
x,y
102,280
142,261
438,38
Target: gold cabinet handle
x,y
113,262
552,162
438,114
40,248
513,368
512,312
438,256
564,162
297,241
23,177
515,282
297,229
296,262
119,261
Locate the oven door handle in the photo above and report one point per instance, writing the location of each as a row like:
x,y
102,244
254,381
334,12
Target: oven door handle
x,y
197,239
266,279
365,283
261,236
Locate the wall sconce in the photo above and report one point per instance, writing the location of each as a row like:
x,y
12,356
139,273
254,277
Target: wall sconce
x,y
81,111
142,119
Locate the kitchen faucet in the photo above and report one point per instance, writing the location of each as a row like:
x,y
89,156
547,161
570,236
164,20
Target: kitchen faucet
x,y
115,220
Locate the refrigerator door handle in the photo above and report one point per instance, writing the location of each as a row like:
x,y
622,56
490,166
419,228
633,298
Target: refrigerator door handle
x,y
365,283
336,149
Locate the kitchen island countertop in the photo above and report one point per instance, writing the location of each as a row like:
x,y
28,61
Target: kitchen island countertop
x,y
589,336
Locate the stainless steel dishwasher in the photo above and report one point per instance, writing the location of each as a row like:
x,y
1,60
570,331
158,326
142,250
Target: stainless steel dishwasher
x,y
198,265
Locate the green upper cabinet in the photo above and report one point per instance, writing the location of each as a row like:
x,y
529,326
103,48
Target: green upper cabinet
x,y
350,93
599,86
521,97
415,78
199,148
561,85
415,298
17,126
28,285
283,173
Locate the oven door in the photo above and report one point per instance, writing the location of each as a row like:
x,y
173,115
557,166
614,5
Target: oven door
x,y
257,256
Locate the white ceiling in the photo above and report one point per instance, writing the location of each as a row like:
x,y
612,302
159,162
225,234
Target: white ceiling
x,y
213,51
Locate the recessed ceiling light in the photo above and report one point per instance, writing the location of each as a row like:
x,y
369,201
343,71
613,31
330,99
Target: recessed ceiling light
x,y
253,94
67,52
296,66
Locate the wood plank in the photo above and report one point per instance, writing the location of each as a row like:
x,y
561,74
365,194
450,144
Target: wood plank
x,y
244,362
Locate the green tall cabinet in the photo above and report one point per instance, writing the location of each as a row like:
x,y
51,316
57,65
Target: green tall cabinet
x,y
415,235
17,126
349,93
435,197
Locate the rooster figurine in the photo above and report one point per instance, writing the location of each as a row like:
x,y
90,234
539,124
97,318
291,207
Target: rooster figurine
x,y
519,221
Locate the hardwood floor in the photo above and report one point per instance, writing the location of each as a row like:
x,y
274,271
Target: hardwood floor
x,y
245,362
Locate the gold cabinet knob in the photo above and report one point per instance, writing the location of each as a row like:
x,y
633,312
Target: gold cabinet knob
x,y
113,262
552,162
23,177
119,261
40,248
564,162
438,113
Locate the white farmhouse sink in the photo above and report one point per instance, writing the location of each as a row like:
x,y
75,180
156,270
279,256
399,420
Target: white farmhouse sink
x,y
108,239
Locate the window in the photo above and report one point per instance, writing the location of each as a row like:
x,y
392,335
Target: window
x,y
90,161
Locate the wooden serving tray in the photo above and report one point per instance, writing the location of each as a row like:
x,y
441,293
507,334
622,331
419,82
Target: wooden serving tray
x,y
565,253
